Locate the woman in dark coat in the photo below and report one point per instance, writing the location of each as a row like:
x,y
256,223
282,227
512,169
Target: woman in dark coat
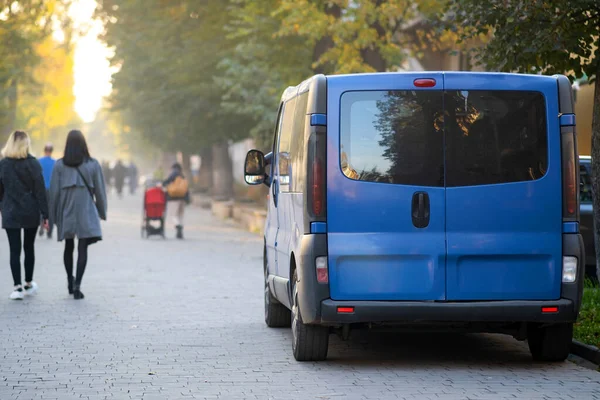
x,y
77,203
23,195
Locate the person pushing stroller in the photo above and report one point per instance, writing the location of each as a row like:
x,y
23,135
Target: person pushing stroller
x,y
177,191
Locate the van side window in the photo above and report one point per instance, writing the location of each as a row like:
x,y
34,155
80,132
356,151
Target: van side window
x,y
271,165
393,137
298,152
284,145
495,136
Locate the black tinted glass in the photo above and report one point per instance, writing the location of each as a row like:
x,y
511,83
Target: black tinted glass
x,y
585,187
494,137
393,137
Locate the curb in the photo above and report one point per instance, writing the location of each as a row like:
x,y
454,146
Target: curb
x,y
585,351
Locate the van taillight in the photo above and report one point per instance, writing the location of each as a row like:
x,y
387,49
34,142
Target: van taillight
x,y
318,181
569,176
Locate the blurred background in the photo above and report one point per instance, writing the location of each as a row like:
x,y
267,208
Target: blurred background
x,y
199,81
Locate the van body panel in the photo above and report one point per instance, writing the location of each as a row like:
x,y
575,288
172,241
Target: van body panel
x,y
375,251
505,240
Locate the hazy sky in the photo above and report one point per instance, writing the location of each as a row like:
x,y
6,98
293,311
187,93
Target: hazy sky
x,y
92,69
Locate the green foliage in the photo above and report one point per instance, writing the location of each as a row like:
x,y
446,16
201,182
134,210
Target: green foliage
x,y
549,36
282,42
365,35
261,65
587,328
167,54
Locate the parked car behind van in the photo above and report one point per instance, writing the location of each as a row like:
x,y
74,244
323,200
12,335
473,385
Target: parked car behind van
x,y
587,215
414,199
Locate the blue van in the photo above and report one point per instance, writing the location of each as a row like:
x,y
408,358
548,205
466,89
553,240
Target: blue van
x,y
433,200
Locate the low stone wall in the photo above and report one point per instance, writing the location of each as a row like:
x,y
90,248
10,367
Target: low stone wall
x,y
248,215
250,218
222,209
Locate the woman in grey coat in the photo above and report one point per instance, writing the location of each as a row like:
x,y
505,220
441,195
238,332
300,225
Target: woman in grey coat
x,y
77,203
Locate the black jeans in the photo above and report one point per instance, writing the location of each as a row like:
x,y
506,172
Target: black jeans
x,y
82,254
14,242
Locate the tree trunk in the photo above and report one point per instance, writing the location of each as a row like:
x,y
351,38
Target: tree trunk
x,y
372,55
205,177
222,172
596,169
325,43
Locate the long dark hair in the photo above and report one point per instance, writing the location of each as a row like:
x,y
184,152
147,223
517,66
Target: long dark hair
x,y
76,150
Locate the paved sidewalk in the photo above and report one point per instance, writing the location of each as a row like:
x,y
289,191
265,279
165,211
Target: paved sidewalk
x,y
165,319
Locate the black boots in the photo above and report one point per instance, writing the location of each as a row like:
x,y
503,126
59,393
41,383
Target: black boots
x,y
77,295
70,279
179,231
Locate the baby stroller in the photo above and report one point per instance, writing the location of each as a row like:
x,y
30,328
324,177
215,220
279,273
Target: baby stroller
x,y
153,219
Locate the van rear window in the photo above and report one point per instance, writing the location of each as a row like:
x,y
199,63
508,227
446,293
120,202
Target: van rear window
x,y
495,137
452,138
393,137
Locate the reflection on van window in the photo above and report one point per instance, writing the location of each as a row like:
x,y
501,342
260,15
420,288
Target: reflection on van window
x,y
494,137
393,137
585,189
285,142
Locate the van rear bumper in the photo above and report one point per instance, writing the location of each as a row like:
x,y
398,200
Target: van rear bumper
x,y
476,311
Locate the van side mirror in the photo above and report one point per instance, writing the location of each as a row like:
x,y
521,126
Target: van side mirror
x,y
254,168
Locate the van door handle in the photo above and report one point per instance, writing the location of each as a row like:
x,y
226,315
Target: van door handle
x,y
420,209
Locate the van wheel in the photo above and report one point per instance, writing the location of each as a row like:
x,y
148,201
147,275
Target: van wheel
x,y
309,342
276,314
550,343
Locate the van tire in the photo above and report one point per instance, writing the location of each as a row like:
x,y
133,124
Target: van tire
x,y
309,342
276,314
550,343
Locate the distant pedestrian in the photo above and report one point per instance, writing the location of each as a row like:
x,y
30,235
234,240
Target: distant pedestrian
x,y
133,178
119,172
177,191
47,163
23,197
77,203
107,172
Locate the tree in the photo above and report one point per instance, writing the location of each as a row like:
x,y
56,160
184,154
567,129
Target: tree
x,y
23,25
167,54
260,66
548,37
46,105
282,42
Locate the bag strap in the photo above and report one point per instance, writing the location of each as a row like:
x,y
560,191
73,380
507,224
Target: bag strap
x,y
86,184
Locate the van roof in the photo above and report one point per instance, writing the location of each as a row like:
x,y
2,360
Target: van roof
x,y
292,91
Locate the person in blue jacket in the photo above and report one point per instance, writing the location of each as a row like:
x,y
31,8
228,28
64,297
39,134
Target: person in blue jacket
x,y
47,163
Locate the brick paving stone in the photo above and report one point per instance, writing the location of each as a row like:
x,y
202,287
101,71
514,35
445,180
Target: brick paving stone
x,y
165,319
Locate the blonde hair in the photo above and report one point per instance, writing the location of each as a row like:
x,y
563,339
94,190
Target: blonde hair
x,y
17,145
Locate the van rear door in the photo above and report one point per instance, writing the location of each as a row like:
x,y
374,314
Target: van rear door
x,y
385,187
503,187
